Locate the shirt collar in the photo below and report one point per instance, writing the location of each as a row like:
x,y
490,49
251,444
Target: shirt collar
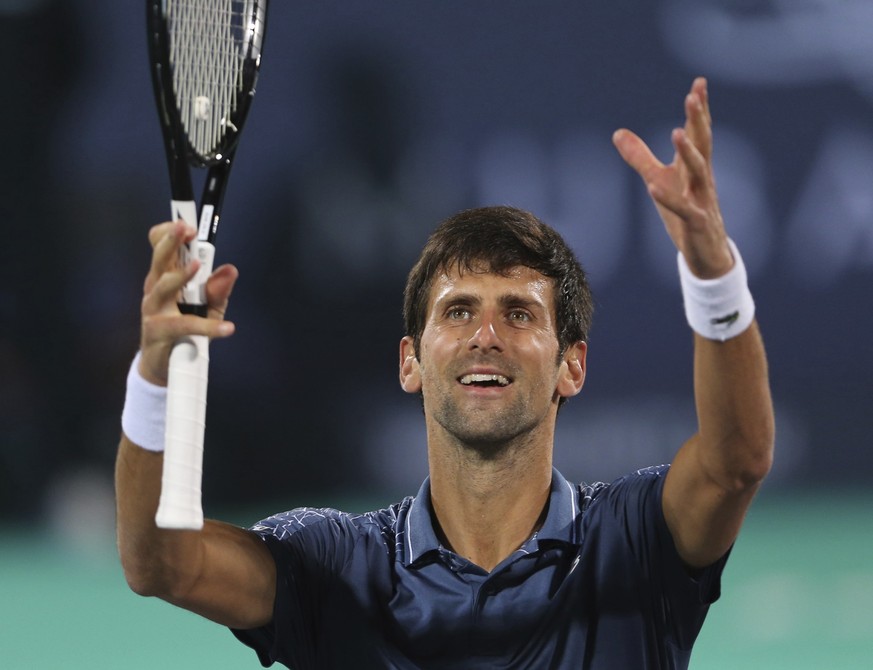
x,y
419,535
560,524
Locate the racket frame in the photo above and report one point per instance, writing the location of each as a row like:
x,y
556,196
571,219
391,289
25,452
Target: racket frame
x,y
181,500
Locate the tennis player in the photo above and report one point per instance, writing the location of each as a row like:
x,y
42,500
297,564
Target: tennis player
x,y
497,561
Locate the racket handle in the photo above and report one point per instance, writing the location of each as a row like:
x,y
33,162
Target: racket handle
x,y
181,501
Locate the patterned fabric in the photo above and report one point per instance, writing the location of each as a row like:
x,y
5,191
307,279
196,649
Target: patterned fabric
x,y
600,586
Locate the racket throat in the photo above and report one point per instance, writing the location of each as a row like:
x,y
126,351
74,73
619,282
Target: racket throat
x,y
194,292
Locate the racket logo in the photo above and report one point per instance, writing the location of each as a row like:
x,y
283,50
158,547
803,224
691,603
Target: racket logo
x,y
202,108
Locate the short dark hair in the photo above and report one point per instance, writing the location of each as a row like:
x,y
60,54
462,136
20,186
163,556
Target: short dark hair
x,y
501,238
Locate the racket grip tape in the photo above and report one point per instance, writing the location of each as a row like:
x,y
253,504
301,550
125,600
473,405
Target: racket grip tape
x,y
181,504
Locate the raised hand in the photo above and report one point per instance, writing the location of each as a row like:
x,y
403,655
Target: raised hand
x,y
162,322
684,191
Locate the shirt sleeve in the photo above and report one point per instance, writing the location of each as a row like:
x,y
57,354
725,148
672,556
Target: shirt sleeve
x,y
680,596
309,547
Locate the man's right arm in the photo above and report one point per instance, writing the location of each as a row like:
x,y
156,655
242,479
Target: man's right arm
x,y
222,572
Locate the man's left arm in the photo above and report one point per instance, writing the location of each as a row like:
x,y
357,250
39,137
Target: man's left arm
x,y
717,472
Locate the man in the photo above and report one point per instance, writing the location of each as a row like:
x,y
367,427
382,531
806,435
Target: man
x,y
498,561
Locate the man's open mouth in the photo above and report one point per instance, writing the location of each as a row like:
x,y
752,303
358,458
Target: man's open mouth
x,y
484,380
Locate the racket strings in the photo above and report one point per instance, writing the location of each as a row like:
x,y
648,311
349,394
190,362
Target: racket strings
x,y
207,53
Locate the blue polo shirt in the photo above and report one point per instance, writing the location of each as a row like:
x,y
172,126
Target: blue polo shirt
x,y
600,586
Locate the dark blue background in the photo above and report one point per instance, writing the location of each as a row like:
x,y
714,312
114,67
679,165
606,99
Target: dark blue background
x,y
373,121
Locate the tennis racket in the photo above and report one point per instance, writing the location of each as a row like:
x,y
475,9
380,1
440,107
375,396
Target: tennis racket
x,y
205,56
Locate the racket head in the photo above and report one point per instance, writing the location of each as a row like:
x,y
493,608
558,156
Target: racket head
x,y
205,57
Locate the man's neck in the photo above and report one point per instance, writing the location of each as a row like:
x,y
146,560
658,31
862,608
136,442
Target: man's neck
x,y
487,508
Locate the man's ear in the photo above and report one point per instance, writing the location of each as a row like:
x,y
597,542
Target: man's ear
x,y
572,373
410,375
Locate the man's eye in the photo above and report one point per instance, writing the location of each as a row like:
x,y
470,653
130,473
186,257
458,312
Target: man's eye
x,y
457,313
519,315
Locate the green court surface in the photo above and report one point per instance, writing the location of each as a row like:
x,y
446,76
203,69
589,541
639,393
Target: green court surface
x,y
797,594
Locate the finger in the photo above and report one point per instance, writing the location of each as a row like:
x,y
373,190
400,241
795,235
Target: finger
x,y
166,239
169,328
159,231
636,153
698,122
160,332
178,227
701,87
165,253
695,165
163,293
219,286
674,202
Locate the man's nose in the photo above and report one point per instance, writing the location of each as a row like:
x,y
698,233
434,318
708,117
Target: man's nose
x,y
486,336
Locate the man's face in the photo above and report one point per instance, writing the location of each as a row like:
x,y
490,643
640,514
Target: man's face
x,y
488,366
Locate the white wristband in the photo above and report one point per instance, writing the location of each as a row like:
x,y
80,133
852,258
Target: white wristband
x,y
144,417
720,308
